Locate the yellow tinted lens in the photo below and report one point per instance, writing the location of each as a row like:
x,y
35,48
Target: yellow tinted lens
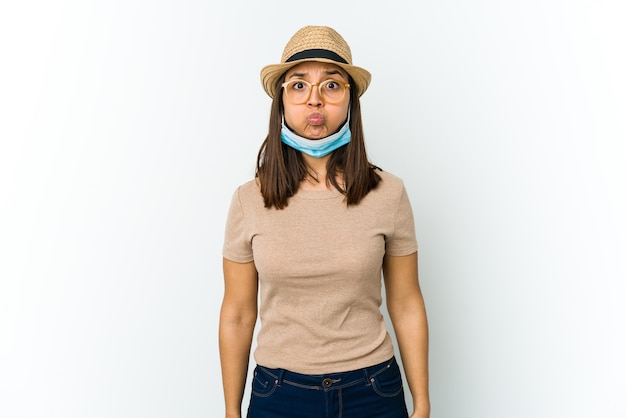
x,y
297,91
332,91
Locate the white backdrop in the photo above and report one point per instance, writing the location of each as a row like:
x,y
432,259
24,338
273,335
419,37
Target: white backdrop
x,y
126,125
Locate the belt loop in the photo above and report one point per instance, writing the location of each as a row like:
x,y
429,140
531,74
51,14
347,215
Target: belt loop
x,y
366,374
279,379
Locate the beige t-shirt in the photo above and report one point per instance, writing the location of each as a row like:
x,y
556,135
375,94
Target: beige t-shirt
x,y
319,265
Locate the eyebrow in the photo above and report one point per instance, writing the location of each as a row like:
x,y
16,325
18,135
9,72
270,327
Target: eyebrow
x,y
328,72
297,75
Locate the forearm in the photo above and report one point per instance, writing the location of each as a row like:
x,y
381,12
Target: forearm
x,y
235,340
411,330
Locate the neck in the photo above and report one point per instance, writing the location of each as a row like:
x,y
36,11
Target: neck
x,y
316,167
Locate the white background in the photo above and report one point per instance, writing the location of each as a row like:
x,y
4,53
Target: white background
x,y
125,126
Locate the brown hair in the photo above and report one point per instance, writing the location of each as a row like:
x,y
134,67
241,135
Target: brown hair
x,y
280,168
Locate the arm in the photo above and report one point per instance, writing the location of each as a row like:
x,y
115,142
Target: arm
x,y
408,316
237,320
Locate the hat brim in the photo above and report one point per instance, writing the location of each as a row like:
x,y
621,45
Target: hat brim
x,y
271,73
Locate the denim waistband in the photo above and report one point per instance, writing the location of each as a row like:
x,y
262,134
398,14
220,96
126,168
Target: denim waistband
x,y
328,381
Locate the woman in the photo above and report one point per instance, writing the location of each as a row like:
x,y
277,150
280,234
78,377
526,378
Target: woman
x,y
311,235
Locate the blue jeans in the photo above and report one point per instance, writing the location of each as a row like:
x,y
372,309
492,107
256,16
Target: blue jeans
x,y
372,392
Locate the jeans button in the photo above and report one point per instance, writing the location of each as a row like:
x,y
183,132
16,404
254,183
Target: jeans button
x,y
327,383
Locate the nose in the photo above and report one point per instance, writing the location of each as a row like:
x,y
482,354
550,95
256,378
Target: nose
x,y
315,98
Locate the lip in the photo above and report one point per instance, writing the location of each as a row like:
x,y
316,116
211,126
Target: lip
x,y
315,119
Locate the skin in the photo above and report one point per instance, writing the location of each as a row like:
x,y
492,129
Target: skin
x,y
407,311
237,320
315,119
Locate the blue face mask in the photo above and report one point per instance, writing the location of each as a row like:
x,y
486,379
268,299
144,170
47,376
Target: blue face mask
x,y
319,147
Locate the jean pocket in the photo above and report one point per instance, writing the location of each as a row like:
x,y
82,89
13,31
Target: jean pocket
x,y
388,382
263,384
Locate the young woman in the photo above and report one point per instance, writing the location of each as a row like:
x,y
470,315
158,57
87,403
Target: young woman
x,y
309,237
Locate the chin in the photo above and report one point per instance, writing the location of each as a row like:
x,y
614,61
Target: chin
x,y
314,136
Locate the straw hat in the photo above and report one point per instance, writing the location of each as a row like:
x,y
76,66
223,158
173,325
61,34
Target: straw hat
x,y
315,43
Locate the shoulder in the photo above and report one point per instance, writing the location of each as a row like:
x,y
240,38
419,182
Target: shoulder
x,y
249,187
248,194
389,177
389,183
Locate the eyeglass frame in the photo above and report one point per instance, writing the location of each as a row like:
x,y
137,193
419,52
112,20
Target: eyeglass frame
x,y
319,89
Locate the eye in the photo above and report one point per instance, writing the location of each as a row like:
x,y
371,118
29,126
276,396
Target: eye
x,y
332,85
298,85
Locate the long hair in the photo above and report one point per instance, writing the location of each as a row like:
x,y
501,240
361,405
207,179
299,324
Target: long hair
x,y
280,168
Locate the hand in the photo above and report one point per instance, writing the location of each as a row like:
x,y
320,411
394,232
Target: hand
x,y
423,412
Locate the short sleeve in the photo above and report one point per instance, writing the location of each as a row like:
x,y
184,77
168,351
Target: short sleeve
x,y
237,244
403,240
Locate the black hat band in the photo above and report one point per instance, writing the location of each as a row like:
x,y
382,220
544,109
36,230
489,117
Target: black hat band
x,y
316,53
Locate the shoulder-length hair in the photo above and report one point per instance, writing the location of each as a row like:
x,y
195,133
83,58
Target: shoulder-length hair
x,y
280,168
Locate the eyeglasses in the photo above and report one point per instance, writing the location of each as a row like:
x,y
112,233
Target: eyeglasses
x,y
331,91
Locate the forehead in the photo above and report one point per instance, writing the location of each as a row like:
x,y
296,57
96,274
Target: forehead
x,y
315,68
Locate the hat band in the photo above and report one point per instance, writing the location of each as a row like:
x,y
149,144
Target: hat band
x,y
316,53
